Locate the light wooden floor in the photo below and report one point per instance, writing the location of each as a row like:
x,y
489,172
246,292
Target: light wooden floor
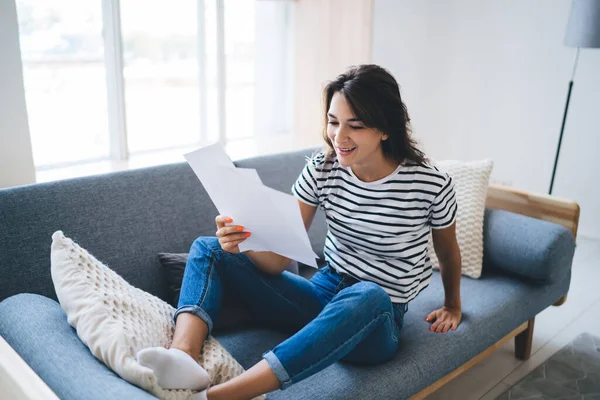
x,y
554,327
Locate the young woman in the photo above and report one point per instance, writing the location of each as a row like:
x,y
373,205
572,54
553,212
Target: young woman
x,y
381,200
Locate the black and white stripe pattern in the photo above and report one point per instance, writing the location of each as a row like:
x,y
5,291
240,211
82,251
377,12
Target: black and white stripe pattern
x,y
378,231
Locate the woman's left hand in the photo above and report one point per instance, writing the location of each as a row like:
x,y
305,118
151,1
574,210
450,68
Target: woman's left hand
x,y
444,318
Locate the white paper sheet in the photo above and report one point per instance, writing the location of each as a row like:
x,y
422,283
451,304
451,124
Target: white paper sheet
x,y
273,217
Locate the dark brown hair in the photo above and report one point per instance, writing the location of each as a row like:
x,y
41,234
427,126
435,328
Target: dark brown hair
x,y
374,97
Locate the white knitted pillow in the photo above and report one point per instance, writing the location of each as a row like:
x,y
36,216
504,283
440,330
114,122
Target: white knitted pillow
x,y
116,320
471,181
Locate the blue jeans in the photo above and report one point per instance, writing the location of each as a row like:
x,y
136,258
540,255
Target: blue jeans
x,y
332,317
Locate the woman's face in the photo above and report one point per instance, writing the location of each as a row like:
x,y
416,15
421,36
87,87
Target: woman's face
x,y
354,143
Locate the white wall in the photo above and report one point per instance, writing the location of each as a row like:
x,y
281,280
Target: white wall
x,y
329,36
16,159
489,79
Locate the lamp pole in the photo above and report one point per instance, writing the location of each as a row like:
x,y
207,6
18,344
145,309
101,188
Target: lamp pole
x,y
562,128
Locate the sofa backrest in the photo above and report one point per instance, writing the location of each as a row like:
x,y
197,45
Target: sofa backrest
x,y
124,219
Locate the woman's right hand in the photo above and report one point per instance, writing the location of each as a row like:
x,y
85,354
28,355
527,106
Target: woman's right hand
x,y
230,236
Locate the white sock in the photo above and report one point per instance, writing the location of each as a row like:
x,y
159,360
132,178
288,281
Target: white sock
x,y
174,369
199,396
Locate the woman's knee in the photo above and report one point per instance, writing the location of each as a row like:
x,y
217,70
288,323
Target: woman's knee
x,y
207,251
206,244
371,295
202,251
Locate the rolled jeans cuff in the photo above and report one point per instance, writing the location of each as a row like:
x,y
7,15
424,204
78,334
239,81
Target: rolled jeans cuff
x,y
197,311
278,369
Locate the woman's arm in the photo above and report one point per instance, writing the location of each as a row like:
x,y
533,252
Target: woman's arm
x,y
273,263
448,253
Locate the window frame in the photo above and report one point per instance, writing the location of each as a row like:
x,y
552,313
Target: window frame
x,y
115,84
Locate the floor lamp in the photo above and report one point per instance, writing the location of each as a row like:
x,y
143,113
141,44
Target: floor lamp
x,y
583,31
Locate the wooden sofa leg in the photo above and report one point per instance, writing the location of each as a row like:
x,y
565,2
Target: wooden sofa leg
x,y
523,342
561,301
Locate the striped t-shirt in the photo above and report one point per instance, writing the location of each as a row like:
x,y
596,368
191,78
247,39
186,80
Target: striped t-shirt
x,y
378,231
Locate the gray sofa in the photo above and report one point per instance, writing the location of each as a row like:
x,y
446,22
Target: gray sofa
x,y
125,219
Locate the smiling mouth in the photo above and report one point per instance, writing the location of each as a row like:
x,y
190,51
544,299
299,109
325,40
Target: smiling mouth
x,y
346,151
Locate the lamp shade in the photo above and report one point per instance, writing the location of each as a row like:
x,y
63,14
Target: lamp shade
x,y
583,28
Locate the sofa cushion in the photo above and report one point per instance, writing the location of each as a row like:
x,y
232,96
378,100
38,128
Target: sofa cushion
x,y
538,250
471,181
124,218
493,306
116,320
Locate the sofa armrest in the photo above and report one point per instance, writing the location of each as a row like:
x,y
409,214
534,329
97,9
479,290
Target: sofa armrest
x,y
539,206
18,380
535,249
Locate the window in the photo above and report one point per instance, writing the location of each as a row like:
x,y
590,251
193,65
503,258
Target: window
x,y
239,71
64,77
116,79
160,73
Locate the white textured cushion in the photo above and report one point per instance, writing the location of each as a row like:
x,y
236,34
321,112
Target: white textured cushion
x,y
471,181
116,320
